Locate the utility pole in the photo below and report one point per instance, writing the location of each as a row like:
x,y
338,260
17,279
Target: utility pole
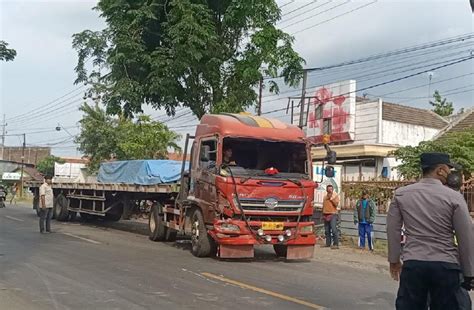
x,y
303,99
260,90
4,125
22,164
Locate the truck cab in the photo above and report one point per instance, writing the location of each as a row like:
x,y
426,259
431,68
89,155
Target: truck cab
x,y
249,183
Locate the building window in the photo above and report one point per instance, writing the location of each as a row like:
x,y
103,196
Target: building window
x,y
327,126
319,111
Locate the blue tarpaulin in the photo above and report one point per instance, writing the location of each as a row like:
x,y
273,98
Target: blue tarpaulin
x,y
141,172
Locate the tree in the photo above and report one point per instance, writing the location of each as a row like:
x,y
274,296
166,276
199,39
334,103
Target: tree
x,y
459,145
205,55
6,54
441,106
103,135
46,166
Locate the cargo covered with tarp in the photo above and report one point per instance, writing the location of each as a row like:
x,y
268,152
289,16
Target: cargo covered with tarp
x,y
140,172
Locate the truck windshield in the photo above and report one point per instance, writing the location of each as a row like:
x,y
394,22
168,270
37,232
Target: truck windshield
x,y
251,157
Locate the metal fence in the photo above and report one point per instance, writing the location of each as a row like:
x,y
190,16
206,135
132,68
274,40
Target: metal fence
x,y
348,203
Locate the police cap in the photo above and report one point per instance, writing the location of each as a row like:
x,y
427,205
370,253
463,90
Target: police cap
x,y
432,159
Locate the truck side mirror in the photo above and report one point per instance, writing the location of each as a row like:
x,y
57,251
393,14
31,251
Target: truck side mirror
x,y
331,157
329,172
205,153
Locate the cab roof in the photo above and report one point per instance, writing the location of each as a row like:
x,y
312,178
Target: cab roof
x,y
248,126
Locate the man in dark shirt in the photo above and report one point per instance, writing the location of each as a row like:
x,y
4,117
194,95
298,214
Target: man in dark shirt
x,y
432,214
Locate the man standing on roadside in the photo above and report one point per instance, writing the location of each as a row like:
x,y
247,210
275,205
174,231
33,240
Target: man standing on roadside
x,y
432,214
364,215
330,209
46,204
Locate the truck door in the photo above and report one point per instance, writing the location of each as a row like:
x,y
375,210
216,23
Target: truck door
x,y
205,189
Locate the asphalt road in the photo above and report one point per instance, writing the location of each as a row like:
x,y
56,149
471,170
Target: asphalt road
x,y
87,266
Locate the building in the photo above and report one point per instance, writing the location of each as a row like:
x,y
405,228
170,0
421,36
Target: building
x,y
363,132
10,172
33,155
460,123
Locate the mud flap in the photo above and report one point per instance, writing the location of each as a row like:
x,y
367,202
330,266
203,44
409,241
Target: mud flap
x,y
236,251
300,252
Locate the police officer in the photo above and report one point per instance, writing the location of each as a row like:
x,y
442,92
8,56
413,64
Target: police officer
x,y
432,264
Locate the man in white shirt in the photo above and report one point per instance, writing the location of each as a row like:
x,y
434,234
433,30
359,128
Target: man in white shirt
x,y
46,204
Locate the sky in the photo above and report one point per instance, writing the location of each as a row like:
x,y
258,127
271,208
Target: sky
x,y
326,32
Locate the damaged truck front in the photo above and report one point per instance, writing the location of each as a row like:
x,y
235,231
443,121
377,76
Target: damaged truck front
x,y
250,183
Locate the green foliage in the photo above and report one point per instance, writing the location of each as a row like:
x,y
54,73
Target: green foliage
x,y
46,166
204,55
103,135
6,54
459,145
441,106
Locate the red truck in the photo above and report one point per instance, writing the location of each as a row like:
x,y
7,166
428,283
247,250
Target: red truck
x,y
249,182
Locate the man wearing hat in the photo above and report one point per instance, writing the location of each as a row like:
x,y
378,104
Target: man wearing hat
x,y
432,215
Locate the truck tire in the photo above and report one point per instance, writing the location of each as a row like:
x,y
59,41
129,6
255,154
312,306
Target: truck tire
x,y
156,225
280,250
202,244
61,211
113,217
72,216
86,217
171,234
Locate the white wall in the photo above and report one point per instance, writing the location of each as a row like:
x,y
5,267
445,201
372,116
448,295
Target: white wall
x,y
367,122
405,134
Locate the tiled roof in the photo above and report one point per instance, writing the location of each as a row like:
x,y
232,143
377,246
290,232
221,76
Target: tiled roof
x,y
409,115
463,122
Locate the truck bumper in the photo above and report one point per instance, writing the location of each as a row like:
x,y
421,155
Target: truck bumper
x,y
240,244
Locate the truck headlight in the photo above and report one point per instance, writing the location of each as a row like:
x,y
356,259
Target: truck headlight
x,y
230,227
306,229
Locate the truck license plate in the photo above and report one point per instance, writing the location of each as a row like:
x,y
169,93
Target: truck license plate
x,y
272,225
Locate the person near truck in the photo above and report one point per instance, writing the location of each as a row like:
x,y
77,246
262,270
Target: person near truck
x,y
364,217
14,190
431,214
46,205
330,210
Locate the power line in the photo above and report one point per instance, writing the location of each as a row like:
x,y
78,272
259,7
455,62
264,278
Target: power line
x,y
22,115
286,4
371,73
322,12
377,75
410,75
306,12
37,116
387,82
444,93
335,17
299,8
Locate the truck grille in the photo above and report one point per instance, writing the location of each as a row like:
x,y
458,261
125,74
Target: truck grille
x,y
259,205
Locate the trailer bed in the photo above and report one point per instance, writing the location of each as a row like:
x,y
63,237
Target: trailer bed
x,y
113,187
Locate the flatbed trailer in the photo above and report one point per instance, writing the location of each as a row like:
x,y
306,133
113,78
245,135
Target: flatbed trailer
x,y
113,201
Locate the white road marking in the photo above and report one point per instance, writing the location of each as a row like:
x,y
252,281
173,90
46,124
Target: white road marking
x,y
14,218
82,238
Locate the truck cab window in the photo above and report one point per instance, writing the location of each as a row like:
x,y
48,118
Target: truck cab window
x,y
208,154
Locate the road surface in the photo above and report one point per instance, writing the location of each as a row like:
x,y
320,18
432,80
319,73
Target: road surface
x,y
91,266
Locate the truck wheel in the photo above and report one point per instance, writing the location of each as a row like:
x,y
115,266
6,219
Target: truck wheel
x,y
86,217
202,244
60,210
156,225
280,250
72,216
171,235
114,217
